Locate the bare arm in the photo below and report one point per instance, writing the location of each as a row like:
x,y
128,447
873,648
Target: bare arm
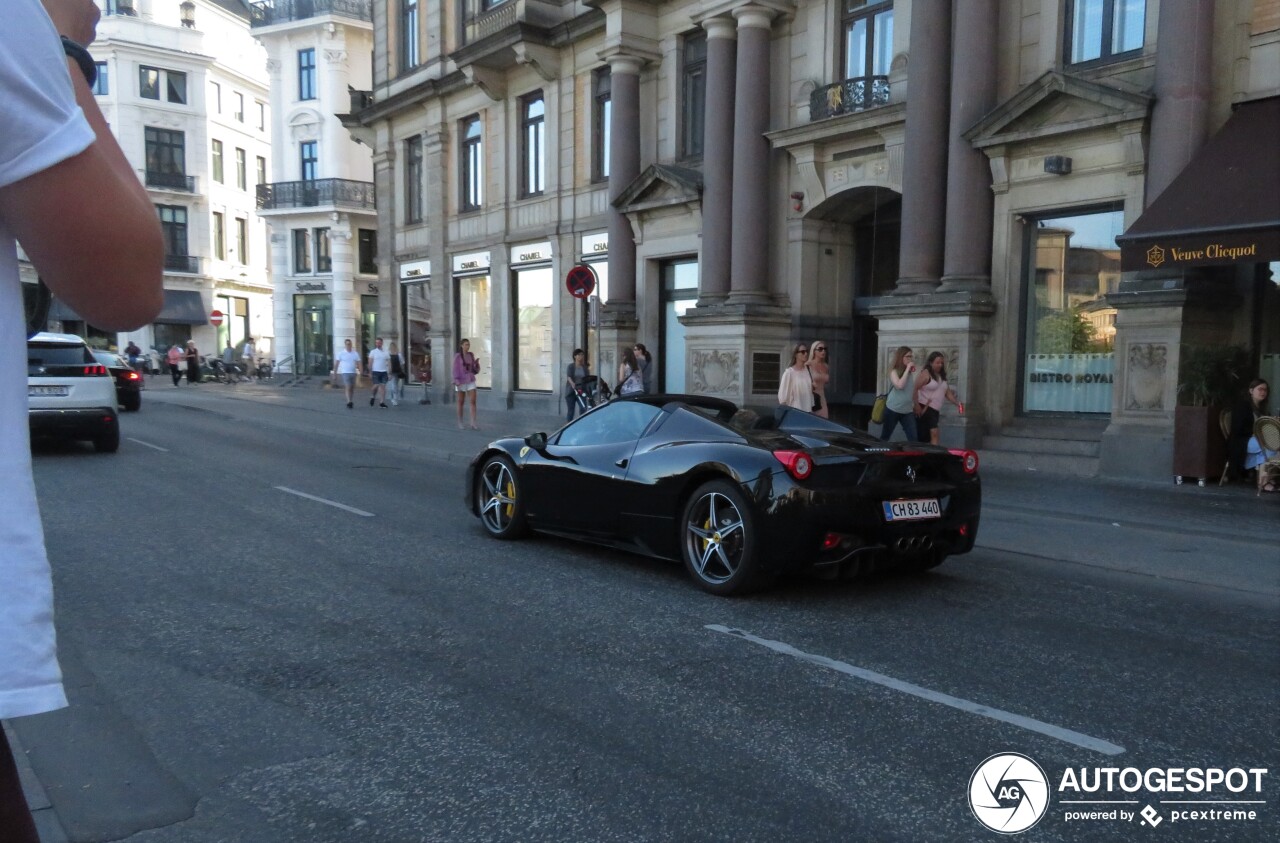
x,y
88,225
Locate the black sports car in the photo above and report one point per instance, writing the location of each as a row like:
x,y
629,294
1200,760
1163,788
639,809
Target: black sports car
x,y
128,381
739,495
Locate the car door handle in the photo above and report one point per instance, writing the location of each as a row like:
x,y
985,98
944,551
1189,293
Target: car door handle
x,y
622,463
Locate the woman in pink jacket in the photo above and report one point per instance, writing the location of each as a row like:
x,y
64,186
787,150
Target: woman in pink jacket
x,y
465,368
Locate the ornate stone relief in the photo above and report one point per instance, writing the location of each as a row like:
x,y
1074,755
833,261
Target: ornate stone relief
x,y
1145,382
716,372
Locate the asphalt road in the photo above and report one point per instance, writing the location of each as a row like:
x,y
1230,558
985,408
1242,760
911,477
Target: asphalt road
x,y
247,663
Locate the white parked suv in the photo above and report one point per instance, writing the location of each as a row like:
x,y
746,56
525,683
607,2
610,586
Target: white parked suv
x,y
69,393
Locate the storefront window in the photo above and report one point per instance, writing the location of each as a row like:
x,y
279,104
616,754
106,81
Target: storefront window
x,y
417,311
679,293
475,324
1070,329
368,325
534,347
312,335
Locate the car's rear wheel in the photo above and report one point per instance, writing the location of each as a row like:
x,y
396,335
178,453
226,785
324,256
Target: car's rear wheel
x,y
108,441
499,499
719,541
132,403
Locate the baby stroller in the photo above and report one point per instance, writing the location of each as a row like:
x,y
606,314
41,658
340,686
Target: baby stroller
x,y
591,393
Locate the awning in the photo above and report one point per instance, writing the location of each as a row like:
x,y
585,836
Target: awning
x,y
183,307
1223,208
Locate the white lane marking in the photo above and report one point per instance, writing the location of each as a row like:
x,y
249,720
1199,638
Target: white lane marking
x,y
324,501
1056,732
147,444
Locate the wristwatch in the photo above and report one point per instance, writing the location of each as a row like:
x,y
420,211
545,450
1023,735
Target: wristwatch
x,y
82,58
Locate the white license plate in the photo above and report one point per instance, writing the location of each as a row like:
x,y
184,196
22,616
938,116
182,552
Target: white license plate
x,y
33,391
918,510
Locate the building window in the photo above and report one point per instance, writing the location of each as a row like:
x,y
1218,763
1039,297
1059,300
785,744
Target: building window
x,y
693,94
217,161
219,236
324,258
301,251
475,322
262,116
242,240
1069,326
601,116
166,156
535,292
413,179
867,29
149,83
242,175
472,164
533,144
309,161
1104,30
262,170
307,74
173,223
215,97
408,34
101,87
368,248
239,115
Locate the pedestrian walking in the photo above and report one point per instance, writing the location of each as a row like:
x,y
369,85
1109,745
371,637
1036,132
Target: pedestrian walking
x,y
345,368
630,378
820,375
796,388
396,377
193,362
575,373
645,360
63,181
175,363
899,407
228,361
247,356
932,390
465,368
134,355
379,373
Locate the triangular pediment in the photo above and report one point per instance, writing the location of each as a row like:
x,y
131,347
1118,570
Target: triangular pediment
x,y
1055,104
661,185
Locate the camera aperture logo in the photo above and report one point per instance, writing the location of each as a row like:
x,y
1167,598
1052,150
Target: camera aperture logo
x,y
1008,793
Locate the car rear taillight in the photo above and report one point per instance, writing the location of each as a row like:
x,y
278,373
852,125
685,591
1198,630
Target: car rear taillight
x,y
95,370
133,376
969,459
798,463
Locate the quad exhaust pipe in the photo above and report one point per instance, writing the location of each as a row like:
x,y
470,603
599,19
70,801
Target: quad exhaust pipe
x,y
913,544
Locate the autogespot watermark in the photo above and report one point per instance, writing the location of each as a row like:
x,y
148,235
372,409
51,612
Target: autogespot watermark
x,y
1009,793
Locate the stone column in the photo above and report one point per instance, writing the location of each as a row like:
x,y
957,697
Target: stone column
x,y
750,247
1180,118
345,303
624,168
970,203
282,297
924,170
717,161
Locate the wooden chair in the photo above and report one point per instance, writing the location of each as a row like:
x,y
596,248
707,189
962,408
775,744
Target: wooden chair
x,y
1267,431
1224,424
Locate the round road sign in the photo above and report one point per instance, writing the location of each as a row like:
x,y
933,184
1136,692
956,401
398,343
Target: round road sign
x,y
215,318
580,281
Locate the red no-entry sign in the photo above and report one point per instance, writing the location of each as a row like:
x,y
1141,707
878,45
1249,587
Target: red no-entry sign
x,y
215,318
580,281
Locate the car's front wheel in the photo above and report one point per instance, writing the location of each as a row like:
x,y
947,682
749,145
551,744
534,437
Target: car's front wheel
x,y
719,541
499,499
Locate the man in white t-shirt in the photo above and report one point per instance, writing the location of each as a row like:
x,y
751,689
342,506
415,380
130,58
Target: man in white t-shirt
x,y
73,201
346,366
250,365
379,364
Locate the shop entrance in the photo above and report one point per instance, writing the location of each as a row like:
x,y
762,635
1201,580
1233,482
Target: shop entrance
x,y
312,335
679,293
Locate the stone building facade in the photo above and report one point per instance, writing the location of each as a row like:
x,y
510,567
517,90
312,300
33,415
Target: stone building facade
x,y
945,175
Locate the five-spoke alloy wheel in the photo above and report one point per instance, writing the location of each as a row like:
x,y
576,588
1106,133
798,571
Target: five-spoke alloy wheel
x,y
499,500
718,540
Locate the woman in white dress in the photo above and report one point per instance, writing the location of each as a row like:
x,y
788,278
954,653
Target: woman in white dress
x,y
796,389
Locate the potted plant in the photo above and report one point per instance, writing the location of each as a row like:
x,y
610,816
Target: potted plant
x,y
1210,377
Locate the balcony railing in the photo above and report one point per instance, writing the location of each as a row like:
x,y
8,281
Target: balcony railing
x,y
849,96
279,11
481,24
360,100
343,193
182,263
171,181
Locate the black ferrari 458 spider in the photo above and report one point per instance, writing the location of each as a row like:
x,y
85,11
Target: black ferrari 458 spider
x,y
740,495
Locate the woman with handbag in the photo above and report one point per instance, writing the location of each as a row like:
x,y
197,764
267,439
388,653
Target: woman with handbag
x,y
820,374
899,407
796,388
630,377
465,368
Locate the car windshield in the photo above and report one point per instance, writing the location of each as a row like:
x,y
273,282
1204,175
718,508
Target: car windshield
x,y
619,421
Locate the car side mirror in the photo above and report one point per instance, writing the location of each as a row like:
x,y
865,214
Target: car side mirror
x,y
536,441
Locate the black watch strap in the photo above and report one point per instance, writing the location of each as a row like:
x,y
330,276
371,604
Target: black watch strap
x,y
82,58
